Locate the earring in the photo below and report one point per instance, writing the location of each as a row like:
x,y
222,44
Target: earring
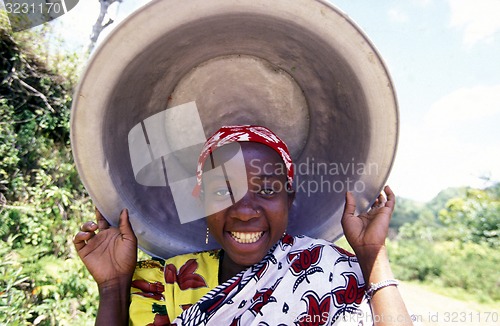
x,y
206,239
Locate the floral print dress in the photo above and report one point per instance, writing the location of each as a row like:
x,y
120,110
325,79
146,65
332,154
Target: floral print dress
x,y
301,281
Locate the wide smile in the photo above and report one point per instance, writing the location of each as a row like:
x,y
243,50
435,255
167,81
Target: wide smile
x,y
246,237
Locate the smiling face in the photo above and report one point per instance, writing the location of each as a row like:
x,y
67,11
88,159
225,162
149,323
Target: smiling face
x,y
247,229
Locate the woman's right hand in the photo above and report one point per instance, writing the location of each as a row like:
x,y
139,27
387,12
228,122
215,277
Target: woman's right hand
x,y
109,253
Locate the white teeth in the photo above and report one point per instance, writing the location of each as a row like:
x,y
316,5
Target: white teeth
x,y
246,237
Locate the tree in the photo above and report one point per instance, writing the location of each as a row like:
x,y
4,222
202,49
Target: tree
x,y
100,25
473,218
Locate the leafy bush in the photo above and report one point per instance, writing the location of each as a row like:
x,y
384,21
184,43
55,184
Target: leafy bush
x,y
469,266
415,261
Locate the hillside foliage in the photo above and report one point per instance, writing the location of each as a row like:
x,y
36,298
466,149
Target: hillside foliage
x,y
453,243
43,201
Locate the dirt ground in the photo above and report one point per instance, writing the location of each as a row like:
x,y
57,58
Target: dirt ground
x,y
429,308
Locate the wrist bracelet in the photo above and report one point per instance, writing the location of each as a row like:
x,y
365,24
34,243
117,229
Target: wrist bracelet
x,y
377,286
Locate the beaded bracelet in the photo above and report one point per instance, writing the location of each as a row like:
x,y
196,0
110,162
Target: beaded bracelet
x,y
377,286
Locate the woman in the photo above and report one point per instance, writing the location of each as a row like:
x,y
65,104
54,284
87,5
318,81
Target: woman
x,y
262,276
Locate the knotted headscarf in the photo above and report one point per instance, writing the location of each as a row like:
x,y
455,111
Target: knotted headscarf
x,y
243,133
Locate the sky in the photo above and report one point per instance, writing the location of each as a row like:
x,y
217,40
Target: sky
x,y
444,59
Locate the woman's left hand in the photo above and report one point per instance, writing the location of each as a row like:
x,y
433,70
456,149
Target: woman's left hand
x,y
366,232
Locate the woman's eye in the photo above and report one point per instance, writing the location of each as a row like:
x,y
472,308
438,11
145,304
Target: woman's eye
x,y
222,192
267,191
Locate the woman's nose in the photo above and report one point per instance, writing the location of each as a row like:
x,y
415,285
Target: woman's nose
x,y
245,209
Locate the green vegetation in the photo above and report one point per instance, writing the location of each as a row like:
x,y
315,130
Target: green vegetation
x,y
451,241
42,282
454,244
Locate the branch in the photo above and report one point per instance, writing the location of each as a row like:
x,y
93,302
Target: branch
x,y
99,25
37,93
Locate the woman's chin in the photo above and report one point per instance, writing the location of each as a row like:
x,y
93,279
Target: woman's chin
x,y
246,252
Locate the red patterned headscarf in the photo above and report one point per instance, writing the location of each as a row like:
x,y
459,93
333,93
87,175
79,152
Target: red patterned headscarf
x,y
245,133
